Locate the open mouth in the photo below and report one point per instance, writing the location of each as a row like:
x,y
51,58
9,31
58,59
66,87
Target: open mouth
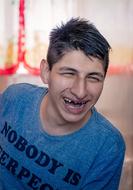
x,y
74,103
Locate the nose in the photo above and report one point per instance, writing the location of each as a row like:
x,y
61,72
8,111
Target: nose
x,y
79,88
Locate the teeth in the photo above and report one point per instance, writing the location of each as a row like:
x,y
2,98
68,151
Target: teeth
x,y
66,99
74,102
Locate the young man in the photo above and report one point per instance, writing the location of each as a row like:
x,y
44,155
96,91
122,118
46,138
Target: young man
x,y
54,139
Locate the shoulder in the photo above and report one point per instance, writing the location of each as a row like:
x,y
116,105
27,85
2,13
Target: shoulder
x,y
13,93
21,89
17,94
18,89
108,131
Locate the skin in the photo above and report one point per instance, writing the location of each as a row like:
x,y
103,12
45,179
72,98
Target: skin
x,y
75,83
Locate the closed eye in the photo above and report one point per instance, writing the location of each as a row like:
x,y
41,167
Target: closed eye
x,y
67,73
95,78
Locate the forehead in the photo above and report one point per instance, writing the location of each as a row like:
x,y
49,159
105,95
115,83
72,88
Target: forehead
x,y
77,60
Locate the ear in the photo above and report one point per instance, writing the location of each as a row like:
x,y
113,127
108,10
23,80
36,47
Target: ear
x,y
44,71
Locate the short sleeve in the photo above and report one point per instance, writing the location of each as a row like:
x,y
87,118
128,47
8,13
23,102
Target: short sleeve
x,y
106,170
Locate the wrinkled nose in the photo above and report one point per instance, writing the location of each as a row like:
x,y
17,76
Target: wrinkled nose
x,y
79,88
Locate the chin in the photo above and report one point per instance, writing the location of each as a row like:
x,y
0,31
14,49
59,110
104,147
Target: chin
x,y
75,118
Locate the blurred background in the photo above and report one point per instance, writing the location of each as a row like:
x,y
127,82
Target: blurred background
x,y
24,34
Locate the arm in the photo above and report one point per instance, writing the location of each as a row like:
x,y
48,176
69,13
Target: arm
x,y
105,172
0,100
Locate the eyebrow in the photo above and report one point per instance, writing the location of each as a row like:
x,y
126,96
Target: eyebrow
x,y
68,69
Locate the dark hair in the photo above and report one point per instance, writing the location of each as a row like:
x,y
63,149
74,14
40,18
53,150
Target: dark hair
x,y
77,34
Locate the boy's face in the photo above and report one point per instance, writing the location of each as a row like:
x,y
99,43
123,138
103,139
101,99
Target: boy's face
x,y
75,84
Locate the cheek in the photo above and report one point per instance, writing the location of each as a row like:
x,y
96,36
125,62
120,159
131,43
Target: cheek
x,y
56,87
58,83
96,90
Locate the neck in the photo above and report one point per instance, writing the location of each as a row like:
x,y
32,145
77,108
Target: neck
x,y
53,125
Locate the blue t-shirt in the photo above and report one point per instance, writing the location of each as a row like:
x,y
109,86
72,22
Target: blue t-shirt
x,y
90,158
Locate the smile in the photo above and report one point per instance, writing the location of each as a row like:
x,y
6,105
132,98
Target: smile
x,y
74,103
